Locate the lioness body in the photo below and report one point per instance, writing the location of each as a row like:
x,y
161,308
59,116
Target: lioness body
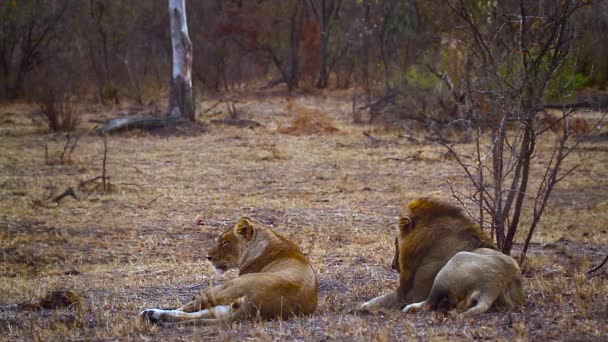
x,y
427,238
475,280
275,279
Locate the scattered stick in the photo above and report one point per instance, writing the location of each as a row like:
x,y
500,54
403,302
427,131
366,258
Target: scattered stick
x,y
593,270
153,200
69,192
213,106
103,169
85,182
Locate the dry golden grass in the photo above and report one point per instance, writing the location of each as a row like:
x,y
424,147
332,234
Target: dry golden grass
x,y
139,246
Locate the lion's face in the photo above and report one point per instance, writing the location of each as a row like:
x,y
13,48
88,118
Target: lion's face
x,y
230,245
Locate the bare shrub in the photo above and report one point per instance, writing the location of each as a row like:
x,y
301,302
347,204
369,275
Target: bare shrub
x,y
59,111
503,96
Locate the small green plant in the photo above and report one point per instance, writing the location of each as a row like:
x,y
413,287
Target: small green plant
x,y
419,78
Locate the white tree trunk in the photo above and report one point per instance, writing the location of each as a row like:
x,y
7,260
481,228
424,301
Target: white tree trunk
x,y
182,99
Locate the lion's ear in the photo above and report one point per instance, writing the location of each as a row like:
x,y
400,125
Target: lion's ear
x,y
244,228
405,225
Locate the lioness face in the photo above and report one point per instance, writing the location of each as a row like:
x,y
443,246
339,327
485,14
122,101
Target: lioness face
x,y
229,246
404,227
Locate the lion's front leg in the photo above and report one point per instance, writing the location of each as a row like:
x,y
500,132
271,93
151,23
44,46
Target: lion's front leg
x,y
224,302
213,314
388,301
224,294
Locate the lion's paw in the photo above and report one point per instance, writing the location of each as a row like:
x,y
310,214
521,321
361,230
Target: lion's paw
x,y
153,316
365,306
413,307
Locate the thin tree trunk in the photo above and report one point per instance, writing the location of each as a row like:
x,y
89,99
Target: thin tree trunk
x,y
527,151
182,98
182,106
294,41
498,222
324,12
323,76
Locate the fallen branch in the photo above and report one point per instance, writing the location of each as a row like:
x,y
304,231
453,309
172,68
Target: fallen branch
x,y
146,123
213,106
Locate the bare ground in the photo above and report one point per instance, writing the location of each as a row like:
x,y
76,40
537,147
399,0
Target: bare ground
x,y
335,192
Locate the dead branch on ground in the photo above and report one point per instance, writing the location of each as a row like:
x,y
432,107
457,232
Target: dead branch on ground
x,y
145,123
595,269
68,192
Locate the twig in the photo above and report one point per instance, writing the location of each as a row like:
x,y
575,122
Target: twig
x,y
153,200
83,183
69,192
593,270
68,138
73,146
103,169
213,106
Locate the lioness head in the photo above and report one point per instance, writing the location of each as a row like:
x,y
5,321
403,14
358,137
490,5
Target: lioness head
x,y
229,246
404,227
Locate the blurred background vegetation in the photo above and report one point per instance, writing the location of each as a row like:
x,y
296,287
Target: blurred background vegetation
x,y
109,51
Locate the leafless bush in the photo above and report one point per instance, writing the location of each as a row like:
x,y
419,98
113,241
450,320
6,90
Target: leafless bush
x,y
512,50
59,111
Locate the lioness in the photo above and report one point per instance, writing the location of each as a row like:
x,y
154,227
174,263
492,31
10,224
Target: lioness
x,y
430,235
474,281
275,280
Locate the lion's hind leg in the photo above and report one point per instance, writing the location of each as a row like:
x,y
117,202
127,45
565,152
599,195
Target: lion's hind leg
x,y
437,295
215,314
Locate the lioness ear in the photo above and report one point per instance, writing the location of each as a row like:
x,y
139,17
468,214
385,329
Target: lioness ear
x,y
405,225
244,228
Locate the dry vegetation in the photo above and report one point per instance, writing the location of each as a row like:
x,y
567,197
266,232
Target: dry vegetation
x,y
336,194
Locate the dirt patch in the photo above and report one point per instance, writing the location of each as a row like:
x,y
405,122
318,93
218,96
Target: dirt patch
x,y
307,121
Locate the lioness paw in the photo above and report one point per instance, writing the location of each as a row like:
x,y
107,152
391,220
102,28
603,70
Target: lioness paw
x,y
366,306
152,315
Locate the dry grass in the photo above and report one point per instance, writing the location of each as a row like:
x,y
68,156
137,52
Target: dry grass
x,y
139,246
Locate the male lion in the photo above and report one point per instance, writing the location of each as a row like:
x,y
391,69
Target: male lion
x,y
275,280
474,281
430,235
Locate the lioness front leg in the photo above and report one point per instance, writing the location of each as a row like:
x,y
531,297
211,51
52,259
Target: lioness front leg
x,y
388,301
224,294
214,314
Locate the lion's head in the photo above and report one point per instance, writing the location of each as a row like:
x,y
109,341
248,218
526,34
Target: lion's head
x,y
423,217
230,245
